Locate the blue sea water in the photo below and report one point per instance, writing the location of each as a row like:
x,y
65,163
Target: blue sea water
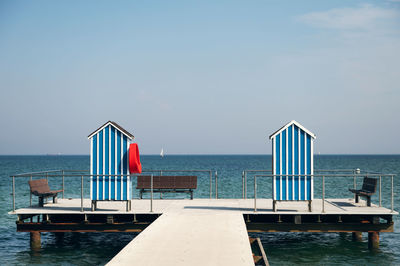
x,y
281,248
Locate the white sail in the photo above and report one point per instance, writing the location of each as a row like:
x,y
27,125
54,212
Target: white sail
x,y
162,152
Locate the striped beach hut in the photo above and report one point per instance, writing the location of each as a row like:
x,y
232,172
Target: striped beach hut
x,y
292,162
109,150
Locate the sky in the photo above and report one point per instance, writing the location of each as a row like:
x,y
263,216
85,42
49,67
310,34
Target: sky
x,y
200,77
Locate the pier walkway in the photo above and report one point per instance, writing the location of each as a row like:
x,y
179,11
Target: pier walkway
x,y
190,237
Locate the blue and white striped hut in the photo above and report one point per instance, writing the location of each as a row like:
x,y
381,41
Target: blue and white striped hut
x,y
109,149
292,162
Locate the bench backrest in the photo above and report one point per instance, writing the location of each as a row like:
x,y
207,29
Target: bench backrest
x,y
167,182
369,184
39,186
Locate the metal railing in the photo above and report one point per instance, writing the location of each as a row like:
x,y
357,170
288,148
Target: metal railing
x,y
244,176
354,173
325,173
74,173
244,180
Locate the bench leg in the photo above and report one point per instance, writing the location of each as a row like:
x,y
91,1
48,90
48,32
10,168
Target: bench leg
x,y
356,198
274,205
55,199
94,205
369,201
40,201
141,194
309,206
191,194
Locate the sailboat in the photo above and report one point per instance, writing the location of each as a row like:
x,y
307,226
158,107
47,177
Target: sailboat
x,y
162,153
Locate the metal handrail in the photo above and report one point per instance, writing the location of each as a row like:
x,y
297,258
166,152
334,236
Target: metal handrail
x,y
244,176
74,173
34,173
334,170
244,180
375,173
82,187
380,175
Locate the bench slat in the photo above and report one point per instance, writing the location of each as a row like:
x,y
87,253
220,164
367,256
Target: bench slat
x,y
40,188
167,182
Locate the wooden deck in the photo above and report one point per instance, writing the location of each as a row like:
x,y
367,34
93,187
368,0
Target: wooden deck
x,y
190,237
243,206
200,231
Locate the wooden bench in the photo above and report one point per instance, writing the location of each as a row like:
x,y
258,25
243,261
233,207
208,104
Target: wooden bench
x,y
367,190
41,189
161,184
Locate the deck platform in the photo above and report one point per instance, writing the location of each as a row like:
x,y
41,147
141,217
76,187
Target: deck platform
x,y
341,215
244,206
200,231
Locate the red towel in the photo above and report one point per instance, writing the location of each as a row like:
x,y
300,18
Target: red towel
x,y
135,167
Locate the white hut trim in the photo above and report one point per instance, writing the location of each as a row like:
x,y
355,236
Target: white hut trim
x,y
293,122
121,129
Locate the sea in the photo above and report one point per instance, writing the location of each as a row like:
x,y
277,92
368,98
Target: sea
x,y
281,248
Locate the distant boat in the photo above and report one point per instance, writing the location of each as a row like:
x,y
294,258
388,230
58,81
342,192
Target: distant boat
x,y
162,153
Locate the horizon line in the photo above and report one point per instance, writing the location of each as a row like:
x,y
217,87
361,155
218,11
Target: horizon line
x,y
191,154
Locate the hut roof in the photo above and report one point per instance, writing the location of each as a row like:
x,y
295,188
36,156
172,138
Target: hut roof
x,y
123,131
289,124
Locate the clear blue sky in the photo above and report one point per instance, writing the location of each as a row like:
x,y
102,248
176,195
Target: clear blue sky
x,y
199,77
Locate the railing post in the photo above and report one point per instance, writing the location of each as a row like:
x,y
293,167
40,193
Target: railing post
x,y
354,180
210,184
216,184
380,191
255,193
62,183
151,193
243,184
160,172
81,193
30,195
323,193
392,194
13,192
132,186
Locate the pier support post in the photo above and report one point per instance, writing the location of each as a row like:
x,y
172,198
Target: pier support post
x,y
357,236
373,240
35,240
59,237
